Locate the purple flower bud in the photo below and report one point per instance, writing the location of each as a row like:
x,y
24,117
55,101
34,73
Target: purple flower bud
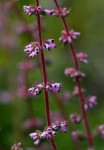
x,y
29,10
49,12
37,142
63,126
54,87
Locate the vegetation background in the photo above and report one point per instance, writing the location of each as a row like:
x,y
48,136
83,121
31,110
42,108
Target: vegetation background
x,y
86,17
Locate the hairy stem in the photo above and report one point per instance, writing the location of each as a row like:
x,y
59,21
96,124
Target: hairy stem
x,y
44,75
84,114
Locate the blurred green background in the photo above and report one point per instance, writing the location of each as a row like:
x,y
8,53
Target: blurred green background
x,y
86,17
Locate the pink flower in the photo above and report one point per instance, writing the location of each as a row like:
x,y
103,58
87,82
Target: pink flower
x,y
76,90
67,38
64,12
36,90
82,57
73,73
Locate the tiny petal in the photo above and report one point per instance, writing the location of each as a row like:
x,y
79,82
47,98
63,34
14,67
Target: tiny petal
x,y
37,142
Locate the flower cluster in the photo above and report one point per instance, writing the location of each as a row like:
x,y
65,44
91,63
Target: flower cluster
x,y
64,12
75,118
17,146
100,131
33,49
68,37
53,87
90,102
36,90
49,44
49,132
50,86
73,73
82,57
30,10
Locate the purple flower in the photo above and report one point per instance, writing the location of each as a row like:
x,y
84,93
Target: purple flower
x,y
53,87
90,102
49,44
29,10
49,132
36,90
32,49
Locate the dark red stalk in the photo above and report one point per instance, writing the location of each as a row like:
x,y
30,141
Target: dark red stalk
x,y
44,75
84,114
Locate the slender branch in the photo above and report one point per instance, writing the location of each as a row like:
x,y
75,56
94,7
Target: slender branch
x,y
43,68
44,75
84,114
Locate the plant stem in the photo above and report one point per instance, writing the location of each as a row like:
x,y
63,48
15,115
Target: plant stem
x,y
84,114
44,75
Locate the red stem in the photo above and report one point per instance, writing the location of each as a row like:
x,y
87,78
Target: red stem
x,y
84,114
44,75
